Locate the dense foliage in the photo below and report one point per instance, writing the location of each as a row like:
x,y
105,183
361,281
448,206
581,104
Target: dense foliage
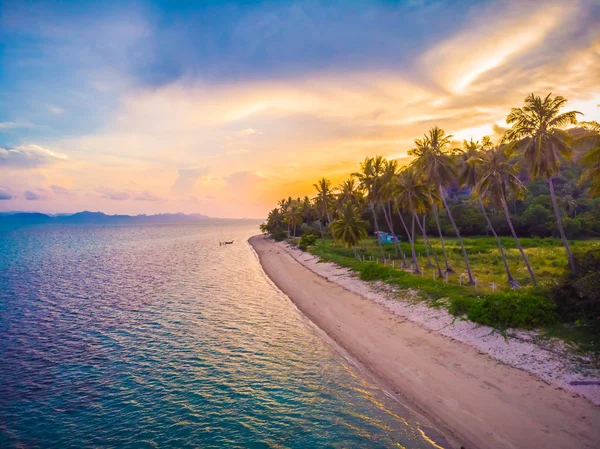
x,y
540,180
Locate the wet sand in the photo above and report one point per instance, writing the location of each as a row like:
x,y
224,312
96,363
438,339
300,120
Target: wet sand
x,y
476,401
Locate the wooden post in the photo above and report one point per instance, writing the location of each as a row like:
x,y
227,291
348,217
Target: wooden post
x,y
393,265
446,277
460,280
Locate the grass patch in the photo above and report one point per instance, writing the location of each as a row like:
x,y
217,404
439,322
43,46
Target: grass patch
x,y
491,302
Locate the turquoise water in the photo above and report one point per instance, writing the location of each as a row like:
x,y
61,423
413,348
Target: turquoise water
x,y
155,336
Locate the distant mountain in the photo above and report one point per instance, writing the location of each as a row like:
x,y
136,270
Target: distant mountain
x,y
86,217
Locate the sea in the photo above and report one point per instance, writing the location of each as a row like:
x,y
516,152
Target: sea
x,y
155,336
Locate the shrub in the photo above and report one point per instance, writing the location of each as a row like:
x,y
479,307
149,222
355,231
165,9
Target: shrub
x,y
459,305
577,296
513,309
306,241
373,272
279,235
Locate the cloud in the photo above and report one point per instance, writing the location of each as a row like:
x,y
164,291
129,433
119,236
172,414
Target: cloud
x,y
6,194
115,195
487,43
242,178
37,194
55,109
146,196
28,156
250,132
13,125
59,190
187,179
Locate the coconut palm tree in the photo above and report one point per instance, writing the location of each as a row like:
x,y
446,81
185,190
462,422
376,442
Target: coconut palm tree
x,y
471,167
348,191
497,180
537,128
370,178
591,159
411,195
388,186
434,162
324,198
349,228
293,215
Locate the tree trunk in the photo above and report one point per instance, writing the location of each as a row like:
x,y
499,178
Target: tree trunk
x,y
456,231
514,234
511,280
412,244
376,227
429,264
437,222
428,243
561,230
321,229
414,252
355,255
388,220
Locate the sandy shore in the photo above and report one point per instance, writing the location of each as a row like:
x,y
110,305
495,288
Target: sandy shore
x,y
476,400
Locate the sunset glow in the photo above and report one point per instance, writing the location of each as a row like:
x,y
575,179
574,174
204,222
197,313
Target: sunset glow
x,y
221,110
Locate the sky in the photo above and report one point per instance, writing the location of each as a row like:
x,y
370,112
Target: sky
x,y
222,108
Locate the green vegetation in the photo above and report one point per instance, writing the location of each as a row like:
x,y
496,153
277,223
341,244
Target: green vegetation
x,y
500,233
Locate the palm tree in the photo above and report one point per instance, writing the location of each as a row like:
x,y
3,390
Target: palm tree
x,y
434,163
349,228
498,179
348,191
388,186
293,215
274,224
470,172
412,195
537,128
591,159
370,178
324,198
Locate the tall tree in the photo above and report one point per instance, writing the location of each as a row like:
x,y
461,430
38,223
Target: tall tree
x,y
591,159
497,181
537,128
412,196
349,228
434,162
472,163
370,178
324,198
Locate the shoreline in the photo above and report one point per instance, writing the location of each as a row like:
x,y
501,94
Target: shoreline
x,y
472,398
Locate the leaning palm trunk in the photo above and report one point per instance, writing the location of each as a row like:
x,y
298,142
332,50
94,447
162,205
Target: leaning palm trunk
x,y
514,234
437,222
376,227
560,225
412,244
388,220
460,240
511,281
428,243
429,264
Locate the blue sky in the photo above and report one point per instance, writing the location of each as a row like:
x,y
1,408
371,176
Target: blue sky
x,y
216,107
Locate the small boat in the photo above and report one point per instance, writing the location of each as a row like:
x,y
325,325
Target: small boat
x,y
225,243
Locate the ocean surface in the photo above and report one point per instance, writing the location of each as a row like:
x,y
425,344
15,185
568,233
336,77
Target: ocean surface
x,y
155,336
